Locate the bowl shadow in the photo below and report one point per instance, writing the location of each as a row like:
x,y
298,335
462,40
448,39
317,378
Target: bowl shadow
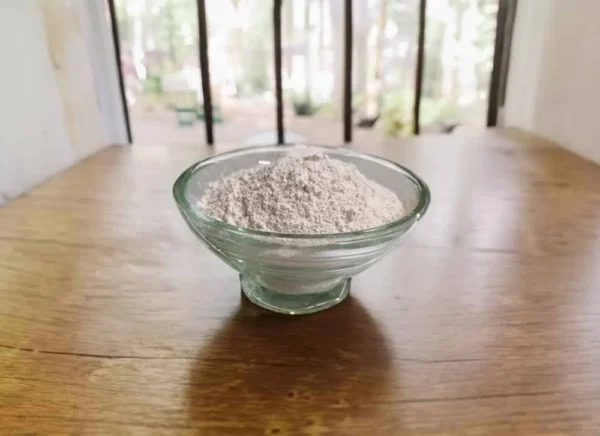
x,y
264,373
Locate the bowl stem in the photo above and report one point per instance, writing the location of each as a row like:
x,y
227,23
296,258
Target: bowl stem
x,y
293,304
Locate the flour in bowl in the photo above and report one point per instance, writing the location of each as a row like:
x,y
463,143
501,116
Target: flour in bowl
x,y
308,194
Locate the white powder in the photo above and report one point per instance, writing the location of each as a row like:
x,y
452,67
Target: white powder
x,y
308,194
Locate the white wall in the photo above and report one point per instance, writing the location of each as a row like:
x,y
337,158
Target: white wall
x,y
52,112
97,33
554,77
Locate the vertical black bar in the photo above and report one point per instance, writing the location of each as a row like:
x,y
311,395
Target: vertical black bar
x,y
348,71
510,25
493,102
205,71
117,45
420,67
278,79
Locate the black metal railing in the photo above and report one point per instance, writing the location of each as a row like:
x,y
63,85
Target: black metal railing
x,y
205,71
117,47
420,67
506,14
278,79
506,11
348,71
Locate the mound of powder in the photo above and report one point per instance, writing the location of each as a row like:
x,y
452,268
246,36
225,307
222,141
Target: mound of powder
x,y
308,194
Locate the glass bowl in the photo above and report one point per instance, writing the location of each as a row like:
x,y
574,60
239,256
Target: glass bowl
x,y
293,273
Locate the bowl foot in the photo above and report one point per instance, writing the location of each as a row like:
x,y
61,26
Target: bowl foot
x,y
299,304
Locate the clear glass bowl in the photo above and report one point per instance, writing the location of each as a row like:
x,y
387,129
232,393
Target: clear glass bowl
x,y
292,273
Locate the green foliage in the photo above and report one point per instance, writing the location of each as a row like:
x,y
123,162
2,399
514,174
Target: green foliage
x,y
170,39
396,114
395,118
435,111
153,85
304,107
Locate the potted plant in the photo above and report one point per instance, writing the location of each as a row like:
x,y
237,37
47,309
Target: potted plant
x,y
303,106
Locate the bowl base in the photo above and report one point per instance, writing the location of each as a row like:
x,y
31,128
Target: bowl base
x,y
299,304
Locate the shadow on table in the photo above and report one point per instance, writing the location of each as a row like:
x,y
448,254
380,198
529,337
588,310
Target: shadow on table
x,y
266,373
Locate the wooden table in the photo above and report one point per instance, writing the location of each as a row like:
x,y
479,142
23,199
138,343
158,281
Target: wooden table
x,y
115,320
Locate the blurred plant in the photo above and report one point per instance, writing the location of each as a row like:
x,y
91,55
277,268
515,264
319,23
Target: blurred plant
x,y
435,111
460,42
304,105
395,119
153,85
396,115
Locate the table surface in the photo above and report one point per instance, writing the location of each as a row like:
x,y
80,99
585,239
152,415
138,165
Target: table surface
x,y
115,320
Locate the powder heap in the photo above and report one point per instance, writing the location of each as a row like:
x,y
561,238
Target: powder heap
x,y
308,194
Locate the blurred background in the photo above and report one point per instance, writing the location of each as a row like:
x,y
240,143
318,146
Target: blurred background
x,y
62,99
160,65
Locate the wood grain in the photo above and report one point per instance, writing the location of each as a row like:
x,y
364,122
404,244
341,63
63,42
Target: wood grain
x,y
114,320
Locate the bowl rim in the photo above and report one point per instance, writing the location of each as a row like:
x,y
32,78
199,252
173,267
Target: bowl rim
x,y
181,184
